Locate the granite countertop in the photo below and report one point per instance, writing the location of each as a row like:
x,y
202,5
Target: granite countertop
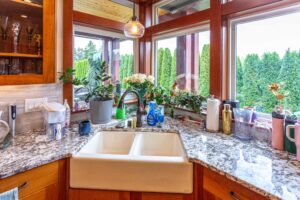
x,y
255,165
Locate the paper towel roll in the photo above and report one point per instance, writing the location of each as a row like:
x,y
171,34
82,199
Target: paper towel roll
x,y
212,116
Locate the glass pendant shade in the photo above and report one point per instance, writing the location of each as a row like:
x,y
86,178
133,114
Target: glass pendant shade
x,y
134,29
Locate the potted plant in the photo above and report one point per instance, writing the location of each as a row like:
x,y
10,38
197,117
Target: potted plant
x,y
99,87
188,100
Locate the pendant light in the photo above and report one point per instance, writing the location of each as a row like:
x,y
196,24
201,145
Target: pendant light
x,y
133,28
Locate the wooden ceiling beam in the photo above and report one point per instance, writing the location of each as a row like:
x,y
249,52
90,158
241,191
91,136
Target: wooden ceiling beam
x,y
95,21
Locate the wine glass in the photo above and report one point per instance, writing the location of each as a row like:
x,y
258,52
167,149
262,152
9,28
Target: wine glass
x,y
16,27
4,24
29,31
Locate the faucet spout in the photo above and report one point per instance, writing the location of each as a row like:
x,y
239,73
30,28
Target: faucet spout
x,y
139,112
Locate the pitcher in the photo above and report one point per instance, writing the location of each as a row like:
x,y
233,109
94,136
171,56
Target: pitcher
x,y
297,136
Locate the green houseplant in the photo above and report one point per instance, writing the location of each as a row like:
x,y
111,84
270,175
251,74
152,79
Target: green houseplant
x,y
188,100
100,89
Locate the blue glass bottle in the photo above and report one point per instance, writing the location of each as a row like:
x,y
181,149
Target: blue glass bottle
x,y
151,117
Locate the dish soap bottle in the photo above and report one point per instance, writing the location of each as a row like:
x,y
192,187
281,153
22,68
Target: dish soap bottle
x,y
68,113
151,117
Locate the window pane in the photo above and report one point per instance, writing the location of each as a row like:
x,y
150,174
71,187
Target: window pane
x,y
126,61
90,50
179,8
184,59
85,48
268,51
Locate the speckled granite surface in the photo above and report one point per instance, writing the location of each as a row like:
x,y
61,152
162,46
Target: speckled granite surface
x,y
255,165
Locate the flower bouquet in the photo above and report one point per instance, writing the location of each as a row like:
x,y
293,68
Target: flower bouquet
x,y
141,83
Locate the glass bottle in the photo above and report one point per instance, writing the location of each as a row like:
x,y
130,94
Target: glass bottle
x,y
226,119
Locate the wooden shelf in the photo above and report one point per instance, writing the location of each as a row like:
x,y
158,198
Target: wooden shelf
x,y
28,3
20,55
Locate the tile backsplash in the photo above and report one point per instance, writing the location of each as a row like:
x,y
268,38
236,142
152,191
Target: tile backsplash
x,y
18,94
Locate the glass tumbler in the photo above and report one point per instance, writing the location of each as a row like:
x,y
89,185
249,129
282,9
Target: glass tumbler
x,y
242,123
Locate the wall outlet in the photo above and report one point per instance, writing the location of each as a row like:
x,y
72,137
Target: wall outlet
x,y
32,105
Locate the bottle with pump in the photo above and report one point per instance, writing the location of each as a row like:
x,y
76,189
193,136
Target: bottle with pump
x,y
226,119
68,113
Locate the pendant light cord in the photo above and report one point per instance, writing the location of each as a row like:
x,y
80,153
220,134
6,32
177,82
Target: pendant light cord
x,y
134,18
133,11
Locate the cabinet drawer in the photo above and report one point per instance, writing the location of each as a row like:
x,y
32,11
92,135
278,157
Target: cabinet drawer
x,y
37,180
48,193
226,189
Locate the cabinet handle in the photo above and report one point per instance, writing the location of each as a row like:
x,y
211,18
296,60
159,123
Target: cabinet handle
x,y
23,185
233,196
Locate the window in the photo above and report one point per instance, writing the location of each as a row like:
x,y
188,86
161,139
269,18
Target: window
x,y
171,9
265,49
92,46
184,58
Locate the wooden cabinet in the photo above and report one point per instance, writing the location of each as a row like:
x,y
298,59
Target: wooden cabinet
x,y
27,42
43,183
84,194
216,186
161,196
208,185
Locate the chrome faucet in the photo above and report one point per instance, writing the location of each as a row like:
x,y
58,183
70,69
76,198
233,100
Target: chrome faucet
x,y
140,112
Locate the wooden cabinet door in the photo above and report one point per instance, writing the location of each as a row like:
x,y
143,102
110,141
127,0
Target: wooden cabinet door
x,y
47,182
162,196
30,61
84,194
216,186
36,180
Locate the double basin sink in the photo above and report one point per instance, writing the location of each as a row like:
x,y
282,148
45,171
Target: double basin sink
x,y
132,161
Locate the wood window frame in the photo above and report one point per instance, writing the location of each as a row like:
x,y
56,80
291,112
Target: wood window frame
x,y
270,11
218,15
72,18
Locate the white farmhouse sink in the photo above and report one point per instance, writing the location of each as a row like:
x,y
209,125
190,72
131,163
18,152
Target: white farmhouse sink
x,y
131,161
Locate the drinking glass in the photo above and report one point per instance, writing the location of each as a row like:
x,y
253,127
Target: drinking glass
x,y
242,125
4,24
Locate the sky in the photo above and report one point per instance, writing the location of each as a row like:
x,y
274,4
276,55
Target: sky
x,y
273,34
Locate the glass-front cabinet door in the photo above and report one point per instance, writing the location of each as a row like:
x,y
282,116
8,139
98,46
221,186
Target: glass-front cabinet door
x,y
27,42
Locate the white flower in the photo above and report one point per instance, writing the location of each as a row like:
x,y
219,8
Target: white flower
x,y
150,79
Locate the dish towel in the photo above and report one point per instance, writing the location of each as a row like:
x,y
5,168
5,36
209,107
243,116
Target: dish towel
x,y
10,195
